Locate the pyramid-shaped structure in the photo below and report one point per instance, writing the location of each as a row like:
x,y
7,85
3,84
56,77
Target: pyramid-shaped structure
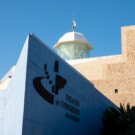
x,y
46,96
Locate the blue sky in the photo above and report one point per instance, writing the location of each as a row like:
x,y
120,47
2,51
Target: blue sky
x,y
99,20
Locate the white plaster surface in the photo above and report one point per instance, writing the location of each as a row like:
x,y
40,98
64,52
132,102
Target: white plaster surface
x,y
27,113
2,111
43,118
15,96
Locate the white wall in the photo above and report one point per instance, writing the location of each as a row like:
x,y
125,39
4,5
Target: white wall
x,y
2,111
76,109
43,118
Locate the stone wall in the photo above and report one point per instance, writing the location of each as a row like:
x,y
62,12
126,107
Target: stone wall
x,y
114,77
128,43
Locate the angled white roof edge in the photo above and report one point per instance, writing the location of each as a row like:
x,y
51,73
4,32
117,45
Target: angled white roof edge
x,y
9,73
79,61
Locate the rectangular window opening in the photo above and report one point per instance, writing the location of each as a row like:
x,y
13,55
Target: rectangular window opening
x,y
116,90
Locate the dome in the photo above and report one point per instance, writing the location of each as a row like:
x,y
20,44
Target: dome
x,y
73,37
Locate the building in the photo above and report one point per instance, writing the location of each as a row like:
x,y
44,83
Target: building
x,y
73,45
44,95
114,76
23,105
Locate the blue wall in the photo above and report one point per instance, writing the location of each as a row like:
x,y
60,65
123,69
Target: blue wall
x,y
76,109
46,96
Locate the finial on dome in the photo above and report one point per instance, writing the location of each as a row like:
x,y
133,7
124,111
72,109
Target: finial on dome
x,y
74,25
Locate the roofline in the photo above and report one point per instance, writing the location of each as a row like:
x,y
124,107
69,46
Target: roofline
x,y
73,41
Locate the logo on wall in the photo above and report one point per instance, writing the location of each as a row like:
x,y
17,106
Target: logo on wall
x,y
60,82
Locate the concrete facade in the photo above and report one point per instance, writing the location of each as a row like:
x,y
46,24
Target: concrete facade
x,y
114,76
2,110
47,96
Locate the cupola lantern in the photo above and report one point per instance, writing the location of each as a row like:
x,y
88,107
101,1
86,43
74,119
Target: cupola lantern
x,y
73,45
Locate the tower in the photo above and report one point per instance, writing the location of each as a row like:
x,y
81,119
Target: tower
x,y
73,45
